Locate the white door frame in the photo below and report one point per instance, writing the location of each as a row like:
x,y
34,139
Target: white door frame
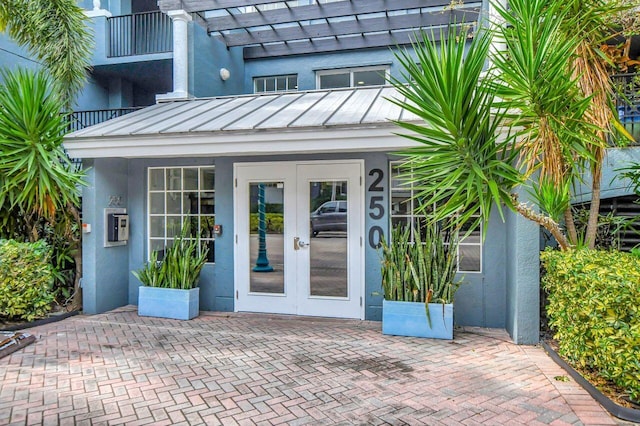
x,y
288,171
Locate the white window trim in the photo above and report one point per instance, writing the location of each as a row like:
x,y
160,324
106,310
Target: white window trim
x,y
265,77
182,215
412,216
351,70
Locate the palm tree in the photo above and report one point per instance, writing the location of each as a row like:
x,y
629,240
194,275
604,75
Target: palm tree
x,y
37,185
539,116
55,33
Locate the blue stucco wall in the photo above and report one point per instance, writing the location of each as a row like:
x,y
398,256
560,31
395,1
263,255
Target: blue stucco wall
x,y
522,278
105,269
206,56
94,95
306,66
482,301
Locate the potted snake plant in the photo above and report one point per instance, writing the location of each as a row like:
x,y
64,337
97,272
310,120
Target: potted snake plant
x,y
419,282
170,286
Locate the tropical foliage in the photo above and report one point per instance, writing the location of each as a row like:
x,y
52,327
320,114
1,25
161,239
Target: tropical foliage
x,y
26,280
539,117
55,33
421,268
179,268
594,309
36,176
39,191
39,186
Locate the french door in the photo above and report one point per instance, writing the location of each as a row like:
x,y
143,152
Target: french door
x,y
298,238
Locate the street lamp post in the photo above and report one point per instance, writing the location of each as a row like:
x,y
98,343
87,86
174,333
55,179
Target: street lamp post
x,y
262,262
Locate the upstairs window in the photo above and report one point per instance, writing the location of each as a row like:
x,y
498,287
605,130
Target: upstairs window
x,y
276,83
352,77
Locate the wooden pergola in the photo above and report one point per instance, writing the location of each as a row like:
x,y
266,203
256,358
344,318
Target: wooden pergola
x,y
279,28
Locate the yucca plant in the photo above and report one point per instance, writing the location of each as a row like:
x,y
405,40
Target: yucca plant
x,y
422,270
526,98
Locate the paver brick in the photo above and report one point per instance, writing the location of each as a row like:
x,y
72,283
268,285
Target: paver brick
x,y
236,369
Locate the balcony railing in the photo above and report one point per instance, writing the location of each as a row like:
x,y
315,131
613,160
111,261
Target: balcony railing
x,y
139,34
627,87
82,119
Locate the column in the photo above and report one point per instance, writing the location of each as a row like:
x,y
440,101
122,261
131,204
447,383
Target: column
x,y
181,21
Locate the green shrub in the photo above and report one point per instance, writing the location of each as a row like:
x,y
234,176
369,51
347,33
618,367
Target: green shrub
x,y
594,309
26,280
275,223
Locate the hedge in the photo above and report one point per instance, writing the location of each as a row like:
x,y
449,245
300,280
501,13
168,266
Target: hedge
x,y
275,223
594,310
26,280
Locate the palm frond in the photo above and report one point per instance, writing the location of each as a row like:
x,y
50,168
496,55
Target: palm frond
x,y
55,33
462,153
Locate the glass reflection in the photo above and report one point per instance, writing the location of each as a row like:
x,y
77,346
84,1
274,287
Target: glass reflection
x,y
266,223
328,257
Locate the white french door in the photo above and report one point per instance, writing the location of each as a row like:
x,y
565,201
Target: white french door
x,y
298,238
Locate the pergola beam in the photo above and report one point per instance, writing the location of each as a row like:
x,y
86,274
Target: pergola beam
x,y
392,23
313,12
340,25
329,45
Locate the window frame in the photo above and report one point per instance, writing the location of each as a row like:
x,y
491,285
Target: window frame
x,y
413,218
351,71
275,80
201,189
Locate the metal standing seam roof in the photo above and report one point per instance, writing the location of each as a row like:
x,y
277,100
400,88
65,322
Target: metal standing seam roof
x,y
349,108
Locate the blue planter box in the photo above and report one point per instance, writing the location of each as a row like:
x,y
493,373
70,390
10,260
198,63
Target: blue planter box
x,y
410,319
168,302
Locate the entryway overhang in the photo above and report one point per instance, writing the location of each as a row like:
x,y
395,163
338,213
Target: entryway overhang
x,y
342,120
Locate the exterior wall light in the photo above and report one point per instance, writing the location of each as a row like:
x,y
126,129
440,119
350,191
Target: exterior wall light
x,y
224,74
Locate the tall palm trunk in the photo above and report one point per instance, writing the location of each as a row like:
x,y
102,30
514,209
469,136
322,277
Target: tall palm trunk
x,y
572,233
594,81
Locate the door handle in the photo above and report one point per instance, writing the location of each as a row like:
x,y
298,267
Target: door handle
x,y
297,244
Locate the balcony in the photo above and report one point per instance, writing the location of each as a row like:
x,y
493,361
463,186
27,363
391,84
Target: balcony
x,y
79,120
139,34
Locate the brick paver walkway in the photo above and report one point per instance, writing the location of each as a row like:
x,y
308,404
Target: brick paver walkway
x,y
118,368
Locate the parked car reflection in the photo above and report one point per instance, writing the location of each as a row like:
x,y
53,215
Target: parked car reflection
x,y
329,217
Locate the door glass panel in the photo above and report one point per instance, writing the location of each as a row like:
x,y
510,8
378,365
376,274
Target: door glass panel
x,y
266,222
328,257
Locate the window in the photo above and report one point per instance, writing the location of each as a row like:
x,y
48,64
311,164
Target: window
x,y
352,77
177,195
403,212
276,83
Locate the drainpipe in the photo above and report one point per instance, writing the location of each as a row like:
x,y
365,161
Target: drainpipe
x,y
181,21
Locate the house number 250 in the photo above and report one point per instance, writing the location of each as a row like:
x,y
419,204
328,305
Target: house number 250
x,y
376,207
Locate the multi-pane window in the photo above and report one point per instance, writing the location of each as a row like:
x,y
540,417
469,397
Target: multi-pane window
x,y
178,195
403,212
352,77
276,83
